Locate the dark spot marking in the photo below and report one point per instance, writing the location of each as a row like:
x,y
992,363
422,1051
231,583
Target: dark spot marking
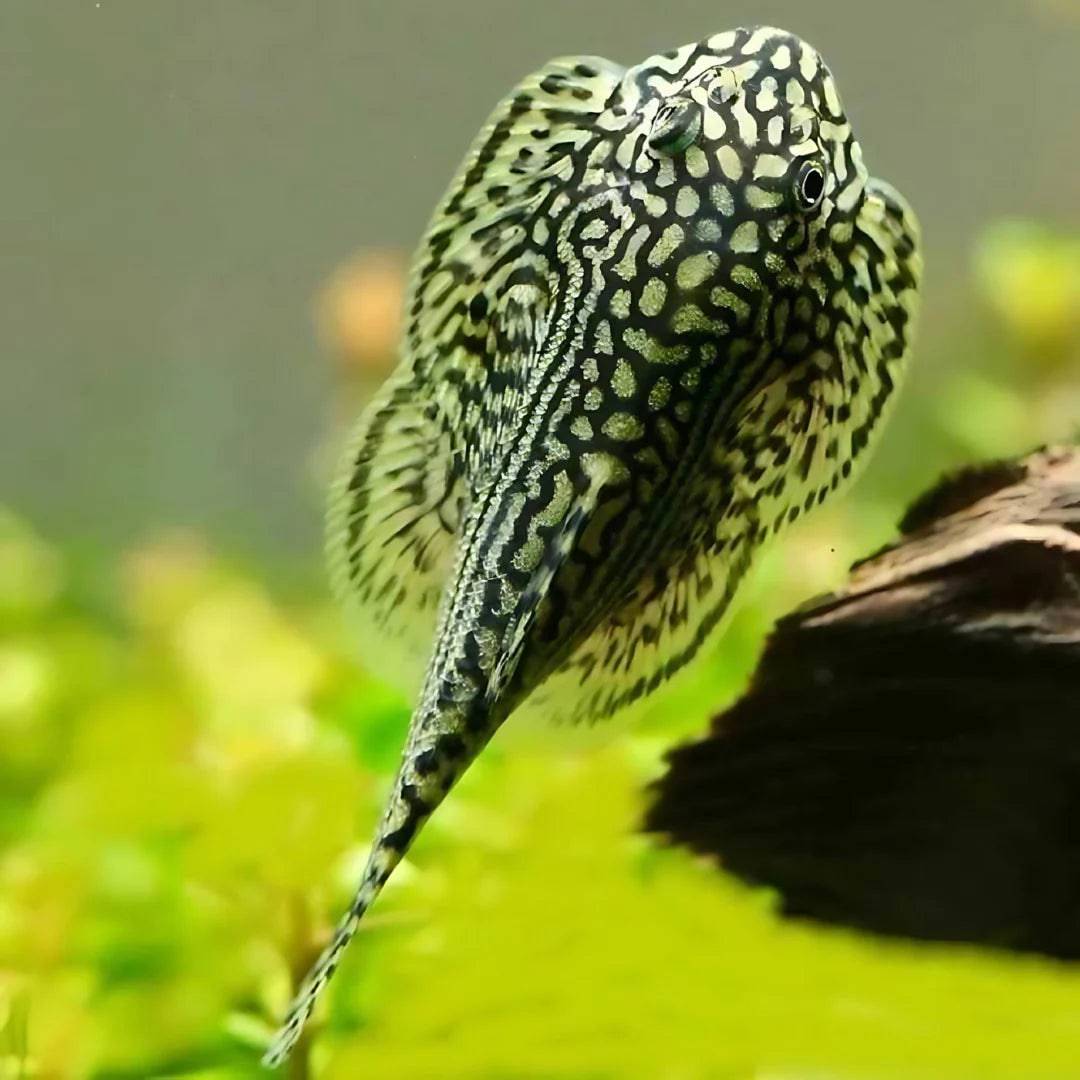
x,y
478,308
450,746
426,762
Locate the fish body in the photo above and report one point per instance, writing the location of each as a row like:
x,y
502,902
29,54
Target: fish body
x,y
660,313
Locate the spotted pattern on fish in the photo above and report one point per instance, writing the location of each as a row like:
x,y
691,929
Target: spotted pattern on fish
x,y
660,314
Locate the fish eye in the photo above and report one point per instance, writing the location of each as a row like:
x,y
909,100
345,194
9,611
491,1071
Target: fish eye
x,y
809,185
676,126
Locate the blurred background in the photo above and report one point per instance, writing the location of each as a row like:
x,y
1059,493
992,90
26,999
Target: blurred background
x,y
205,216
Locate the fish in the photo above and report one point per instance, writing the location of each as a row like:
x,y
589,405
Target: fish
x,y
661,313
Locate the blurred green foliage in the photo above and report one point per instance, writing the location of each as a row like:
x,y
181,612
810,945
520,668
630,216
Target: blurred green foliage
x,y
190,766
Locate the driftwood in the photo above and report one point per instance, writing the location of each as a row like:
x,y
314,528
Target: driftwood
x,y
907,758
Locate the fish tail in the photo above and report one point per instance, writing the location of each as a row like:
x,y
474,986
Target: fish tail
x,y
432,765
469,691
379,866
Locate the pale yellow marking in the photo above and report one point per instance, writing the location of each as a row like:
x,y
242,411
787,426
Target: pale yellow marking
x,y
442,281
699,67
666,174
713,127
756,42
602,338
599,154
559,205
623,382
555,510
776,265
781,58
674,64
596,229
697,268
728,159
582,427
527,557
832,99
821,291
802,119
745,277
593,399
690,317
623,427
840,165
697,164
659,394
565,168
655,206
850,195
725,298
722,199
626,267
620,304
856,159
760,199
652,350
653,296
835,266
834,133
709,231
687,201
665,247
842,231
624,155
748,126
770,165
602,468
746,239
722,42
775,228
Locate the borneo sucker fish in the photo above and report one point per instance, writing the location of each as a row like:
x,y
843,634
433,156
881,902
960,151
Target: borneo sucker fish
x,y
660,313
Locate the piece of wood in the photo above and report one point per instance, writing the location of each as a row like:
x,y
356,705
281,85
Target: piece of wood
x,y
907,758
